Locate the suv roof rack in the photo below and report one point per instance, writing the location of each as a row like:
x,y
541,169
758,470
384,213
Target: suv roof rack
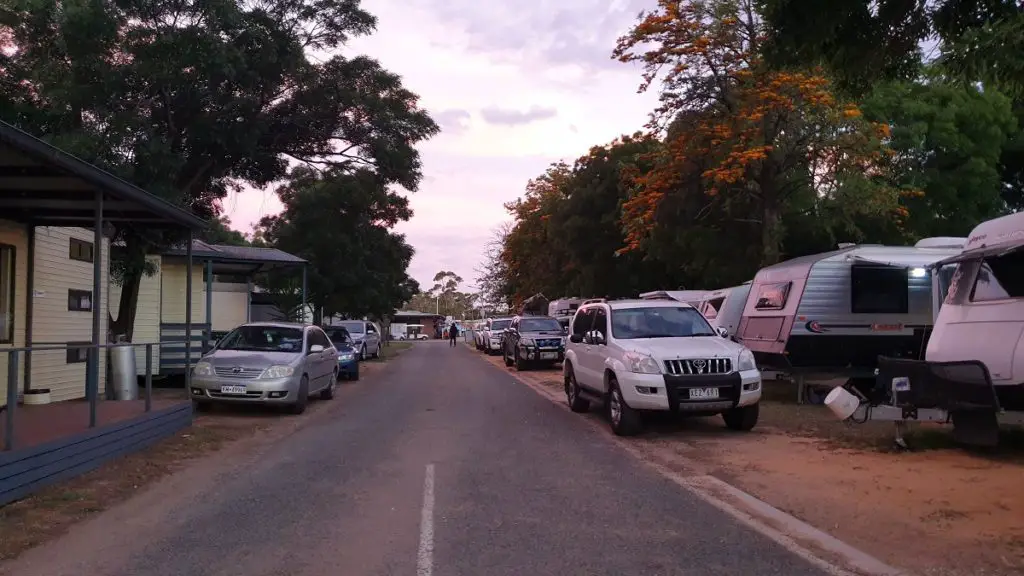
x,y
594,300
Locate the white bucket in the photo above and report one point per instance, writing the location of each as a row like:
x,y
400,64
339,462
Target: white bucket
x,y
36,397
842,403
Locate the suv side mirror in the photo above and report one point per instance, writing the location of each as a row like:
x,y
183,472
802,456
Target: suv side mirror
x,y
576,338
316,349
723,331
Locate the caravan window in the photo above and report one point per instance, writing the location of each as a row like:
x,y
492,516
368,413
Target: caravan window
x,y
879,290
773,296
713,307
1000,278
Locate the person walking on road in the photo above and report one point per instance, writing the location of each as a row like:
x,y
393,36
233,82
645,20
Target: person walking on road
x,y
453,332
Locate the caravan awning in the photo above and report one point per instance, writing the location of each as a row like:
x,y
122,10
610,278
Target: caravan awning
x,y
979,254
905,260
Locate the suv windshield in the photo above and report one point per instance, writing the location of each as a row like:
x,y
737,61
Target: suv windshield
x,y
339,336
263,339
500,324
659,322
539,325
354,327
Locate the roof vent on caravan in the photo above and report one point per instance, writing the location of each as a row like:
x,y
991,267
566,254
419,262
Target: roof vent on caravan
x,y
941,242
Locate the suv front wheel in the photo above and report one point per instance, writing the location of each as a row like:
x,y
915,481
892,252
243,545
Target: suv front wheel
x,y
625,421
742,419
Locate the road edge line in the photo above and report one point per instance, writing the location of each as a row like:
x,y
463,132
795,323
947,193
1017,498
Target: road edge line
x,y
425,554
760,515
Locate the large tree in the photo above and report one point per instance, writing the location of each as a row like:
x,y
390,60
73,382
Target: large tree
x,y
754,134
192,97
341,222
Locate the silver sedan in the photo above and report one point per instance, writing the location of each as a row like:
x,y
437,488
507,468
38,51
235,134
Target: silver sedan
x,y
267,363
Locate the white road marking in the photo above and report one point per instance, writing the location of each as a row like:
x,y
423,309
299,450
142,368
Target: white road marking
x,y
425,558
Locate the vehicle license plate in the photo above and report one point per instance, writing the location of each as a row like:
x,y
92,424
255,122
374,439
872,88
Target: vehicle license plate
x,y
703,393
548,355
233,389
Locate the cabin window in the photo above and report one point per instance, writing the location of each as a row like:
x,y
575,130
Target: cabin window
x,y
80,250
773,296
879,290
78,352
6,294
79,300
1000,278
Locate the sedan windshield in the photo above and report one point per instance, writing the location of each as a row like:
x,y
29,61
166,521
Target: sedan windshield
x,y
263,339
500,324
539,325
353,327
659,322
339,336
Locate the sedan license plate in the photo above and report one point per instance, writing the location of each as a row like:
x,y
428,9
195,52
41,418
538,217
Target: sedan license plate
x,y
703,393
548,355
232,389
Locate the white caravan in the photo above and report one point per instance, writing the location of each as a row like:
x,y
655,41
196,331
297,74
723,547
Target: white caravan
x,y
724,308
973,371
691,297
834,314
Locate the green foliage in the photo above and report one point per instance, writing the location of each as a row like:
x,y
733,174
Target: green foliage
x,y
220,232
189,98
948,141
340,223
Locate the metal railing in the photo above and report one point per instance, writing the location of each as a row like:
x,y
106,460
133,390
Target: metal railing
x,y
14,356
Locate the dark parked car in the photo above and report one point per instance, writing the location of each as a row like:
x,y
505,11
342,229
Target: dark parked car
x,y
348,356
533,340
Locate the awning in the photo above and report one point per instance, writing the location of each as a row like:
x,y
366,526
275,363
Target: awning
x,y
905,260
988,252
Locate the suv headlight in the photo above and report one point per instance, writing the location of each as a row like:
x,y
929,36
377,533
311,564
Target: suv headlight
x,y
278,372
526,341
746,361
202,369
640,363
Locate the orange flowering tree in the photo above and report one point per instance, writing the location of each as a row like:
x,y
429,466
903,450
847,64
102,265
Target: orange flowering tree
x,y
751,135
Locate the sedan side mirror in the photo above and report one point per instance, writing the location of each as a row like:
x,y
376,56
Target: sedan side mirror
x,y
723,331
316,349
576,338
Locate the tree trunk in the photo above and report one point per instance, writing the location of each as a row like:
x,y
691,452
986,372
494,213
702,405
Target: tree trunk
x,y
771,237
124,325
318,315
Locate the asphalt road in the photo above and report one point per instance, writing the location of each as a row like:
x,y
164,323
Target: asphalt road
x,y
440,465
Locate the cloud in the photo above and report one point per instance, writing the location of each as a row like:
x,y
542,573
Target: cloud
x,y
452,120
461,56
506,117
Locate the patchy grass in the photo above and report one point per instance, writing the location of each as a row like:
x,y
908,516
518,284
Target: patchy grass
x,y
391,351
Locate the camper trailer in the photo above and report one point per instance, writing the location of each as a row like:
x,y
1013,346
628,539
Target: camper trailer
x,y
563,309
835,313
973,371
691,297
724,308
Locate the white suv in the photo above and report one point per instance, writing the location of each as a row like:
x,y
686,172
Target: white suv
x,y
640,355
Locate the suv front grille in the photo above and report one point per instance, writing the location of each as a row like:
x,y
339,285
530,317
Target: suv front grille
x,y
698,366
548,342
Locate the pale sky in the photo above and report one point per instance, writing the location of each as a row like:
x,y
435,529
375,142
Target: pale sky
x,y
514,86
